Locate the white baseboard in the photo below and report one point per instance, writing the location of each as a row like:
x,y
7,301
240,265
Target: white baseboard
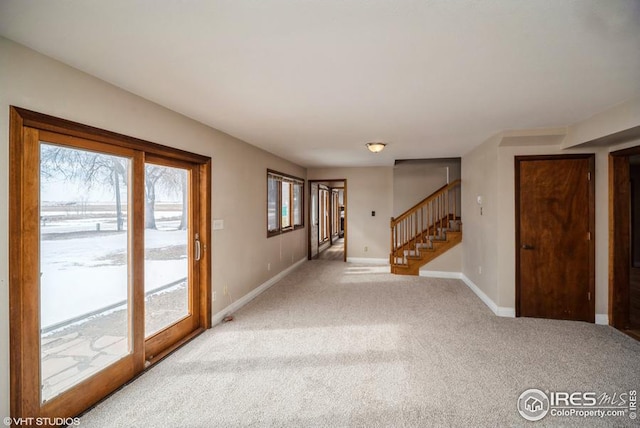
x,y
602,319
440,274
498,310
367,260
233,307
486,299
506,312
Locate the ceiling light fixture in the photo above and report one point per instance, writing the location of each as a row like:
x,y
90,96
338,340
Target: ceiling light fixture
x,y
375,147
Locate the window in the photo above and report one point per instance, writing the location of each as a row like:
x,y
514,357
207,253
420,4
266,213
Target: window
x,y
285,203
110,270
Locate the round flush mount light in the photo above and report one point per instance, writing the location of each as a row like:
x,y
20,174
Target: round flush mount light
x,y
375,147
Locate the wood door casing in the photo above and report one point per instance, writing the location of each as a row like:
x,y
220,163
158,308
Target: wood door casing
x,y
619,240
555,250
313,211
28,130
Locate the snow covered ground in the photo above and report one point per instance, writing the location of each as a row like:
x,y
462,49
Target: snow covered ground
x,y
87,273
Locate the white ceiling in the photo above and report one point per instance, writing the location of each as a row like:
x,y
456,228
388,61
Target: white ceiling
x,y
314,80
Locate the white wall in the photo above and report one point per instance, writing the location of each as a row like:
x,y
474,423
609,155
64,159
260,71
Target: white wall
x,y
368,189
240,252
450,261
619,118
415,180
489,170
480,231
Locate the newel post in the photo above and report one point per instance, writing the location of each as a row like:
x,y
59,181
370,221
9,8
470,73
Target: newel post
x,y
391,253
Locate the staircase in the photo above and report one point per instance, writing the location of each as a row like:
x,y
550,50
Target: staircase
x,y
425,231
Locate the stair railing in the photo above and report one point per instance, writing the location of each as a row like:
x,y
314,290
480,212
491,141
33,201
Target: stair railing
x,y
429,217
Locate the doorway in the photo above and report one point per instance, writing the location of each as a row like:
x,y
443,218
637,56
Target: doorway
x,y
624,240
555,240
328,219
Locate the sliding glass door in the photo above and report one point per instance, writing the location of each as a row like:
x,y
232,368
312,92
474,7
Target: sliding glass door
x,y
84,265
107,272
172,248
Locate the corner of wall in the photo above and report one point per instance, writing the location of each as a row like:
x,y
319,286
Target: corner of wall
x,y
479,216
613,120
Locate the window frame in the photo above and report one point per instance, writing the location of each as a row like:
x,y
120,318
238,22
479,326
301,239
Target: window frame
x,y
293,181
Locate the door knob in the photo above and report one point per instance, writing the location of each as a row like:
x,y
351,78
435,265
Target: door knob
x,y
527,247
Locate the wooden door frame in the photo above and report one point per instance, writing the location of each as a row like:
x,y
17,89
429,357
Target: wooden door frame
x,y
337,190
344,180
592,211
619,237
332,206
324,188
22,196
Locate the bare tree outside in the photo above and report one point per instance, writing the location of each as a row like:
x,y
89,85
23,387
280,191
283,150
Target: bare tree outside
x,y
87,167
85,259
170,181
184,188
111,172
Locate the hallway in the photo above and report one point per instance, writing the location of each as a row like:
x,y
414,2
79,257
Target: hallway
x,y
334,252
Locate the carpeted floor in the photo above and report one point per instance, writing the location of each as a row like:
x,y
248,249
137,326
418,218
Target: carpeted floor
x,y
336,344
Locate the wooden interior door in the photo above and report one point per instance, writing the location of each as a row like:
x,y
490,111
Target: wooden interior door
x,y
624,240
555,254
634,239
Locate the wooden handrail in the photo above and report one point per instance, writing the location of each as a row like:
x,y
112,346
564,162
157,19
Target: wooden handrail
x,y
426,200
424,225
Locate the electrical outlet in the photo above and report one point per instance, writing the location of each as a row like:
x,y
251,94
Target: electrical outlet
x,y
480,270
366,248
214,296
226,292
268,266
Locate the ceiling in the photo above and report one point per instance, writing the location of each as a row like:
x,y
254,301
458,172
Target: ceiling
x,y
313,81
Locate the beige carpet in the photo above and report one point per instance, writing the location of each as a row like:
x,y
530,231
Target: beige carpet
x,y
337,344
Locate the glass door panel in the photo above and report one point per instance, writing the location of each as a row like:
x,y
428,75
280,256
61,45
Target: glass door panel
x,y
84,265
167,266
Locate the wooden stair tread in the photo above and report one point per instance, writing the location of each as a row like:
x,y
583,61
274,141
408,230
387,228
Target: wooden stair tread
x,y
426,230
414,262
